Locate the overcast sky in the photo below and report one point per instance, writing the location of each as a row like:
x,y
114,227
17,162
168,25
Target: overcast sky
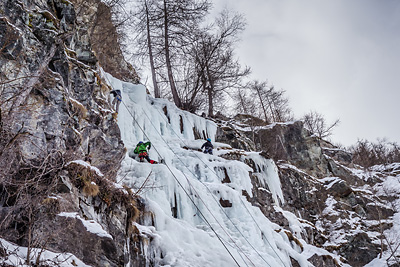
x,y
340,58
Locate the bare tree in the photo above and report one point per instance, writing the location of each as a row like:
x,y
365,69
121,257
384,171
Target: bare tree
x,y
145,28
279,105
367,154
169,28
264,101
242,100
259,88
197,63
217,68
167,12
315,122
157,93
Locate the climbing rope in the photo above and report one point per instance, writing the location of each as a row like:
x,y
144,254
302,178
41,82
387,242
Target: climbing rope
x,y
203,217
203,200
219,204
180,184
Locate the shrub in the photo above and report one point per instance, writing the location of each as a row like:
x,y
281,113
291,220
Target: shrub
x,y
90,188
367,154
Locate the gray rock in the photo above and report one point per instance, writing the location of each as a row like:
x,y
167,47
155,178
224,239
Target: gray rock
x,y
227,134
340,189
60,118
359,250
323,261
344,157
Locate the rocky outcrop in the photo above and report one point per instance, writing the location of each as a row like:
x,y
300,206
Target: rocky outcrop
x,y
289,142
229,135
55,111
293,143
97,19
332,200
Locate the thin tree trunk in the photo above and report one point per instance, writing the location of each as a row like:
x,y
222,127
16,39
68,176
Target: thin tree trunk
x,y
262,102
29,250
28,253
210,102
272,110
174,92
153,71
242,102
194,95
210,91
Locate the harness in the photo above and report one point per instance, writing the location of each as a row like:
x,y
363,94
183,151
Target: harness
x,y
143,154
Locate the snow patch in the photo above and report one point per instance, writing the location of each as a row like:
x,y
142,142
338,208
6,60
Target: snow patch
x,y
267,172
17,257
90,225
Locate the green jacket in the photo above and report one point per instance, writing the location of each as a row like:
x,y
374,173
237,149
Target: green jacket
x,y
142,147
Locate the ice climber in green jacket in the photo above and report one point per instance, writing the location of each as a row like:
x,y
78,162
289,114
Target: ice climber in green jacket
x,y
141,149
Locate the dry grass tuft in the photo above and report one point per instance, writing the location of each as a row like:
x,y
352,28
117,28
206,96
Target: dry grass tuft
x,y
292,238
91,184
84,178
115,115
51,205
78,108
134,211
90,189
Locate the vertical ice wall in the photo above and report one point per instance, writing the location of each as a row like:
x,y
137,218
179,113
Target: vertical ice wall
x,y
189,227
267,174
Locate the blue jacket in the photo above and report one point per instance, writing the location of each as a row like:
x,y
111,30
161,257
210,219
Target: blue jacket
x,y
207,145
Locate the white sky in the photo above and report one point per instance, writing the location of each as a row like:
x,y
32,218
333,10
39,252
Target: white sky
x,y
338,57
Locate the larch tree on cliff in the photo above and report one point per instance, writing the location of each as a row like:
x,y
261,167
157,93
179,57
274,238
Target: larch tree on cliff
x,y
169,27
146,34
157,92
179,19
275,106
316,123
218,69
262,100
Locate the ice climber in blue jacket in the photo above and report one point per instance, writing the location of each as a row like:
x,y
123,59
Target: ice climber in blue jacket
x,y
208,147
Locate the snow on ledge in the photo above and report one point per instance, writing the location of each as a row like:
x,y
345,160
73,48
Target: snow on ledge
x,y
91,225
87,165
388,167
330,181
310,251
17,257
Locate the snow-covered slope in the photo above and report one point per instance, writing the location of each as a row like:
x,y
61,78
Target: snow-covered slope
x,y
185,222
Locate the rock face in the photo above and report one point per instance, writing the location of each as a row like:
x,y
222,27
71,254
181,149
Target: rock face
x,y
293,143
54,85
54,111
340,209
97,17
282,141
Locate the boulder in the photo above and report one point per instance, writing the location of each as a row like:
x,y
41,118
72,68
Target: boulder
x,y
359,250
